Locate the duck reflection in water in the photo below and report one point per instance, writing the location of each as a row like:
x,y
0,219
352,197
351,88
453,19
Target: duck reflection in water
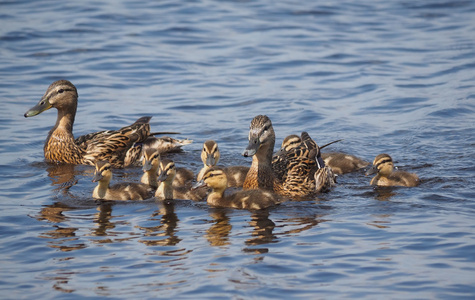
x,y
218,233
103,219
164,233
262,233
62,176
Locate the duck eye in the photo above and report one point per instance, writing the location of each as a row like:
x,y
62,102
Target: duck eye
x,y
60,91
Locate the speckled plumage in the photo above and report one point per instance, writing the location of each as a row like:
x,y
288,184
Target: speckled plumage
x,y
61,147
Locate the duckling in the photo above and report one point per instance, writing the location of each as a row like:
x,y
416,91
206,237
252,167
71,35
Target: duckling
x,y
150,164
341,163
121,191
210,157
151,149
216,179
60,145
261,175
166,190
386,176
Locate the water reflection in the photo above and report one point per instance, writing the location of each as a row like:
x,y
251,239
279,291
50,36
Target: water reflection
x,y
163,234
218,233
263,229
103,219
62,176
384,193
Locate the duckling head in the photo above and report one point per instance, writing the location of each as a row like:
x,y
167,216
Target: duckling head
x,y
214,178
261,133
167,171
103,171
290,142
61,94
382,164
151,158
210,154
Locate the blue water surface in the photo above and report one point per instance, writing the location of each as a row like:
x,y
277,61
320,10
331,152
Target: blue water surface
x,y
393,77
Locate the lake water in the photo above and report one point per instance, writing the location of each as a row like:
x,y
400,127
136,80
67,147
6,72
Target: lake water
x,y
393,77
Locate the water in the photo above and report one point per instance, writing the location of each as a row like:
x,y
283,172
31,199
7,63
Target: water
x,y
393,76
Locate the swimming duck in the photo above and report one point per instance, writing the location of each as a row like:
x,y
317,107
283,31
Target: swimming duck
x,y
150,164
216,179
151,151
210,156
340,163
386,176
301,162
166,190
60,145
120,147
120,191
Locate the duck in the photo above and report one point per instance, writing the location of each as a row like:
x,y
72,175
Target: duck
x,y
120,148
210,157
150,164
301,163
120,191
216,180
340,163
383,166
151,153
166,190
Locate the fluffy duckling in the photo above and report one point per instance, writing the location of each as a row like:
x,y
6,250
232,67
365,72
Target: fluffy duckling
x,y
216,179
301,163
60,145
150,164
121,191
386,176
341,163
151,151
210,157
166,190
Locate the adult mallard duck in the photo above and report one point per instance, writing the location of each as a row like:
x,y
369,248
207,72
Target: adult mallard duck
x,y
120,147
301,163
210,157
386,176
120,191
216,179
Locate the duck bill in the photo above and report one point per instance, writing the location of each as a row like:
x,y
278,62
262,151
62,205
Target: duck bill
x,y
97,177
162,176
210,161
198,185
252,148
38,108
147,165
372,170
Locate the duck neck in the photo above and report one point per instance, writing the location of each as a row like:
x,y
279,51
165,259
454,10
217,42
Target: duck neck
x,y
60,145
215,197
164,190
261,175
101,189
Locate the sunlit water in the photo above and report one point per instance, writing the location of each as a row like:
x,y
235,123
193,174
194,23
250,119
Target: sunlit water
x,y
385,76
